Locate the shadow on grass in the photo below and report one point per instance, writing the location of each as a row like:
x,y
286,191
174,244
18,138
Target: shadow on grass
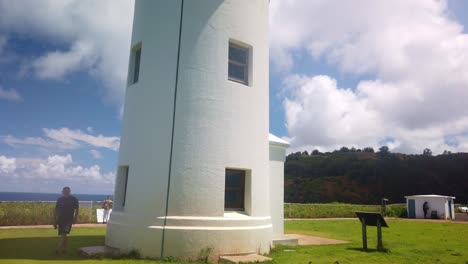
x,y
369,250
42,248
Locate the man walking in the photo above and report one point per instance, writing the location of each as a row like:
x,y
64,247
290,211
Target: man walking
x,y
65,215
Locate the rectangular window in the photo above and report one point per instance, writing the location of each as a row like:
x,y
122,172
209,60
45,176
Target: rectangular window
x,y
238,68
134,68
136,73
125,181
121,187
234,190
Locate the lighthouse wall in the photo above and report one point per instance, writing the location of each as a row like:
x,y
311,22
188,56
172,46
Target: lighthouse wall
x,y
185,123
146,130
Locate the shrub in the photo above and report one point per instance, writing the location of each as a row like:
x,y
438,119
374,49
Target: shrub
x,y
37,213
337,210
397,210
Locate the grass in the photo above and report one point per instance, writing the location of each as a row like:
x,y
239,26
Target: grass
x,y
407,242
338,210
27,246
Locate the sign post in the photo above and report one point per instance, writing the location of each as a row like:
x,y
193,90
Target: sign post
x,y
364,234
372,219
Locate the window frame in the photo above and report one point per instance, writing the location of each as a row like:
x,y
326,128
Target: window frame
x,y
121,187
246,66
240,189
124,193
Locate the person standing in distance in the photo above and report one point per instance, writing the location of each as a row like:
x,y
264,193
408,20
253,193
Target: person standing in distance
x,y
425,209
107,206
65,215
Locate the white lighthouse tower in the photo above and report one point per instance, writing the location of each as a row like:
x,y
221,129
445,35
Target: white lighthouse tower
x,y
198,170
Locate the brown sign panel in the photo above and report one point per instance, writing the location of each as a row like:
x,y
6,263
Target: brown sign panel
x,y
371,218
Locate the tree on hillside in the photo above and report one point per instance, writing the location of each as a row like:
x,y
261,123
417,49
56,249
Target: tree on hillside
x,y
384,150
427,152
316,152
344,149
368,149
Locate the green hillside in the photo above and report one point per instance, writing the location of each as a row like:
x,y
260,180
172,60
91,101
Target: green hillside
x,y
364,177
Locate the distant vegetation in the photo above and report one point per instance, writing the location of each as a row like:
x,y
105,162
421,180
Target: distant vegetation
x,y
338,210
364,176
37,213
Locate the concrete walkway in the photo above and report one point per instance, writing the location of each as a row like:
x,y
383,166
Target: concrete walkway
x,y
304,240
50,226
318,219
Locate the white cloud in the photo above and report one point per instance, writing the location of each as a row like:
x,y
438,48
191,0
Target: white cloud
x,y
10,95
94,37
418,58
53,172
321,115
96,154
65,138
56,64
7,165
69,136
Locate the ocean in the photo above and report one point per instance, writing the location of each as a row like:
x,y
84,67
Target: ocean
x,y
20,196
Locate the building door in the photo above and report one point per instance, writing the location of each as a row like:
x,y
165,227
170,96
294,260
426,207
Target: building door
x,y
411,208
450,208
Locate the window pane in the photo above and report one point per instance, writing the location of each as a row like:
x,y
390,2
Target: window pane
x,y
233,200
234,179
234,189
237,72
125,186
137,65
238,54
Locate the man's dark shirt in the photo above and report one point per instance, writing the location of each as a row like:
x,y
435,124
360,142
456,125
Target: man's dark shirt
x,y
65,208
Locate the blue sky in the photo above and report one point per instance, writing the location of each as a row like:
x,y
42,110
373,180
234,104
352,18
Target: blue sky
x,y
359,73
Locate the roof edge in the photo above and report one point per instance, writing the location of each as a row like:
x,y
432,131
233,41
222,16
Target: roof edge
x,y
274,140
429,196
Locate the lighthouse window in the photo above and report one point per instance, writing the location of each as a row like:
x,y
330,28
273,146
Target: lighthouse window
x,y
238,63
134,69
121,187
234,190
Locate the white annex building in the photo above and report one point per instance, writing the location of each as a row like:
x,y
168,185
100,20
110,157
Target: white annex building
x,y
442,206
198,170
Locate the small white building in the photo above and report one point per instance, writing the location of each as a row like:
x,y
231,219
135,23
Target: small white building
x,y
442,204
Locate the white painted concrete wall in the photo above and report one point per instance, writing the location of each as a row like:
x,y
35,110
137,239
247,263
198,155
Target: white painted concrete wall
x,y
219,124
277,158
440,204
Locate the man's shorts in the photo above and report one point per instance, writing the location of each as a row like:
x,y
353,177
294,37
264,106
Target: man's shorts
x,y
64,228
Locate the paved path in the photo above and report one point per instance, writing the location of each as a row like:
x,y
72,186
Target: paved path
x,y
49,226
318,219
304,240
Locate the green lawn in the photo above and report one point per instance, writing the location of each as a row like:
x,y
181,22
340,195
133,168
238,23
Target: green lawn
x,y
408,242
